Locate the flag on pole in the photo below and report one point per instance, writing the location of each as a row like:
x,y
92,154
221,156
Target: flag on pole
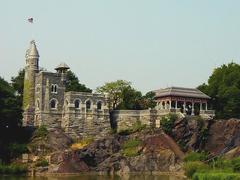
x,y
30,20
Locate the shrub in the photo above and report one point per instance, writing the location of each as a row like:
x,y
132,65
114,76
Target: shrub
x,y
79,144
236,164
221,163
216,176
136,127
41,163
130,148
192,167
13,169
41,131
194,156
167,123
17,149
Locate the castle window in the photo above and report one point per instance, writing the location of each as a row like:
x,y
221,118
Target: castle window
x,y
88,105
77,104
99,105
53,104
54,88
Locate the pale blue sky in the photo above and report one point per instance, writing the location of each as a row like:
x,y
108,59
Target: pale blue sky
x,y
152,43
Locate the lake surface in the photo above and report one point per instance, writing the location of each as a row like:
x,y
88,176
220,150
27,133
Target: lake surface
x,y
96,177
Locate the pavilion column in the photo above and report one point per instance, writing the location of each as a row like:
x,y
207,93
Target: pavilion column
x,y
206,106
192,108
184,106
176,104
201,106
160,105
170,104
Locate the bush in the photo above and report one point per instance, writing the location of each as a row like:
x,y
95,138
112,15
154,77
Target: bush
x,y
167,123
221,163
136,127
236,164
194,156
41,163
17,149
196,166
41,131
13,169
130,148
216,176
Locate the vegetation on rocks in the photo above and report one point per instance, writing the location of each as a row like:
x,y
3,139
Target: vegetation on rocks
x,y
130,148
167,123
79,144
41,131
136,127
41,163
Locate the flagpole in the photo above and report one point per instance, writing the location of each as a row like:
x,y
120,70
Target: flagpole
x,y
30,20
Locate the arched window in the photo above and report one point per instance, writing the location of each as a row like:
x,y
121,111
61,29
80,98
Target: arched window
x,y
88,104
52,88
77,104
53,104
99,105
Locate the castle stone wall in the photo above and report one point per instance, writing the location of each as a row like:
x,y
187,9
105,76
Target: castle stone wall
x,y
124,119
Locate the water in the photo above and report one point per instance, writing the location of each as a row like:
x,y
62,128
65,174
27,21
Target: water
x,y
96,177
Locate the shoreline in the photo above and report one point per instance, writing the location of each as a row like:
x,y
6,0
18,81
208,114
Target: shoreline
x,y
177,174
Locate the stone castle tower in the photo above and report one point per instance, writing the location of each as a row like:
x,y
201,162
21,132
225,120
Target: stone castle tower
x,y
45,101
31,69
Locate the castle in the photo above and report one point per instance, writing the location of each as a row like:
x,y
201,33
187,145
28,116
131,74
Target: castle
x,y
45,102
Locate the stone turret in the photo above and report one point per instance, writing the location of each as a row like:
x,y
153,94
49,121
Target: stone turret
x,y
31,68
62,69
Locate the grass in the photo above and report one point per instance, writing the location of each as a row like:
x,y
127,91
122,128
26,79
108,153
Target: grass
x,y
196,167
216,176
194,156
136,127
130,148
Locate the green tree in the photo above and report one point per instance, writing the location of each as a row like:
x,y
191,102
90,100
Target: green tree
x,y
123,96
74,85
131,99
10,118
17,82
224,89
148,101
115,91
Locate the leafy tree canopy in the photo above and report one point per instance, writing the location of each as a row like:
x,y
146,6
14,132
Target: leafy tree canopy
x,y
74,85
224,88
123,96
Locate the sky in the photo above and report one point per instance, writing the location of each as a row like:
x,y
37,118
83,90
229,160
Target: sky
x,y
151,43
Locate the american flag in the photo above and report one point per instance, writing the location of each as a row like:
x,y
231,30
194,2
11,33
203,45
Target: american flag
x,y
30,20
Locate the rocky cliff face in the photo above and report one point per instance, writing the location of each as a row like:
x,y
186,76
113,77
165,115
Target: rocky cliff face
x,y
147,150
216,137
155,151
224,135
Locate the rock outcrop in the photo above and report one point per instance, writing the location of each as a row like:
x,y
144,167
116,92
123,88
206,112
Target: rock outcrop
x,y
157,152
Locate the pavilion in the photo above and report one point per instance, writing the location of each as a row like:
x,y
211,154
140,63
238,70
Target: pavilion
x,y
189,101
